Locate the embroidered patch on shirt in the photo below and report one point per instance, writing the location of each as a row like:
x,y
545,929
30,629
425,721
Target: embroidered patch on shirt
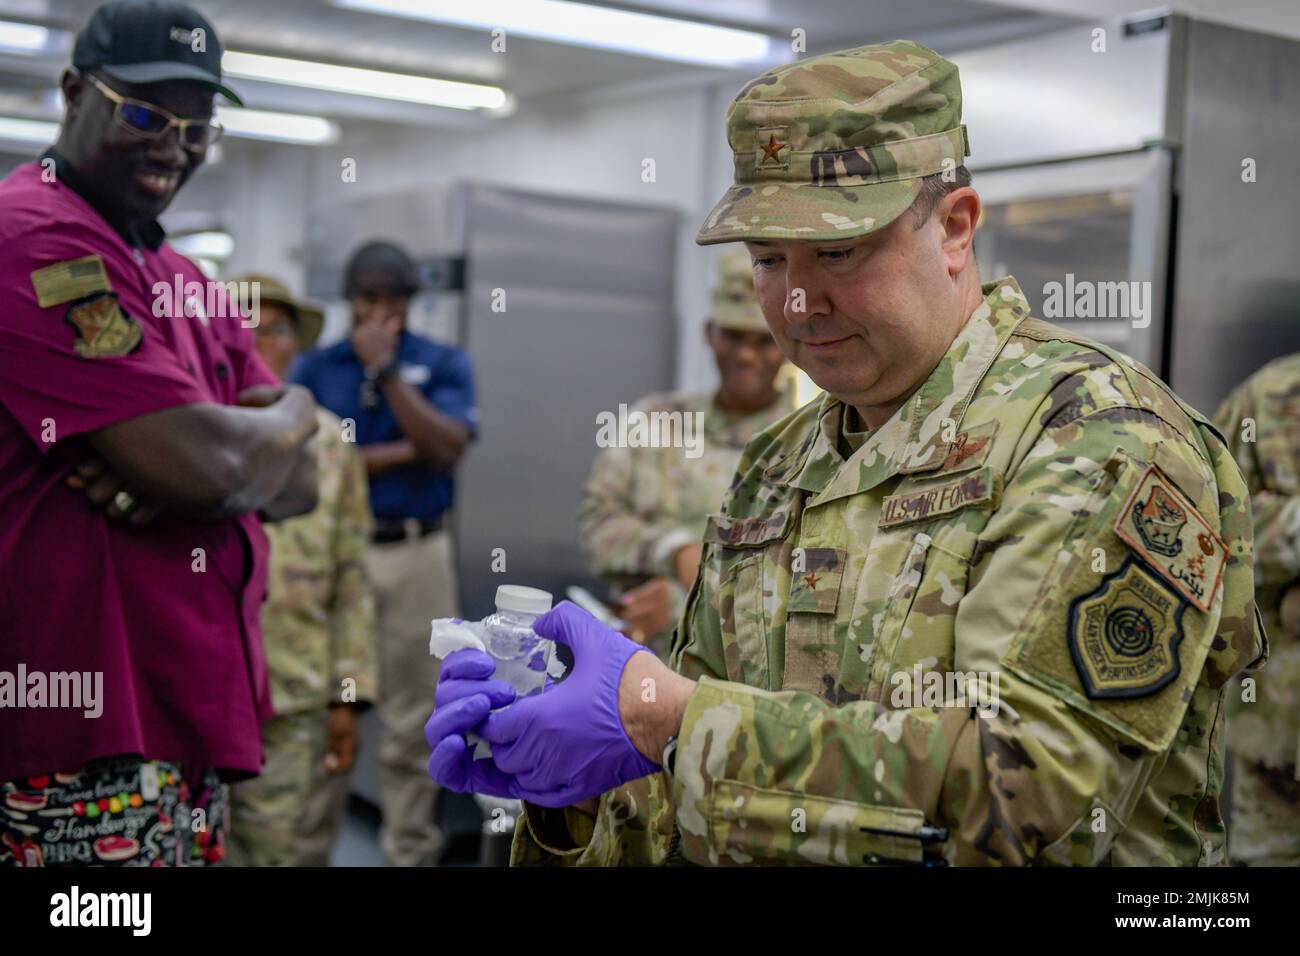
x,y
1167,531
966,450
815,575
969,449
69,280
973,489
103,329
1124,636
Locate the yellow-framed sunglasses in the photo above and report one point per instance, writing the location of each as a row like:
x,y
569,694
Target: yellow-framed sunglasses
x,y
152,122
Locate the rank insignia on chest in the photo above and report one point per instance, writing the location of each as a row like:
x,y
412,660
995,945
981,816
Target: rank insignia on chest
x,y
1167,531
104,330
1124,636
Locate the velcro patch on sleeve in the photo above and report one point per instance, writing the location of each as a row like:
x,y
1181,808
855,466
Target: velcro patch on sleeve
x,y
70,280
1124,635
104,330
1163,527
978,487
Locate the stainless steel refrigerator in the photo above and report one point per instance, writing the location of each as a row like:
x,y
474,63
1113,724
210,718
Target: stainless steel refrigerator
x,y
1162,151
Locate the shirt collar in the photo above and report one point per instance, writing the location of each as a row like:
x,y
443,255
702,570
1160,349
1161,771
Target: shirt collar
x,y
914,439
148,234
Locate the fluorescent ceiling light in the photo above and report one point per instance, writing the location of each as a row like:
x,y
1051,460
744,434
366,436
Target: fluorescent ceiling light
x,y
22,37
350,79
38,132
279,127
584,24
213,244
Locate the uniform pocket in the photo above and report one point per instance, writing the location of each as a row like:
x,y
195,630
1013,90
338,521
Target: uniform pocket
x,y
744,596
742,620
812,648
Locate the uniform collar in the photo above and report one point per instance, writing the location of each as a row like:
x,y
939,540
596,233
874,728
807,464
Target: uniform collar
x,y
148,234
914,440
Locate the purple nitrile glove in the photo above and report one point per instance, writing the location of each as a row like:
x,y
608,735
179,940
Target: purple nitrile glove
x,y
568,744
464,697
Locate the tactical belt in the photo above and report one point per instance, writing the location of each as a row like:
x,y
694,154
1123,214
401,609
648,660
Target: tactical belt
x,y
388,530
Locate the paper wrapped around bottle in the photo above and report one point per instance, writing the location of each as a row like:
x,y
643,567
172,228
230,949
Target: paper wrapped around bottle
x,y
450,634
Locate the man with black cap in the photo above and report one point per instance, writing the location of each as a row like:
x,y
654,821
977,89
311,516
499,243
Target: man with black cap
x,y
412,404
140,438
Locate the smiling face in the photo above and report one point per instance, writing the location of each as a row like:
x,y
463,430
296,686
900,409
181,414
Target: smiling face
x,y
748,363
868,319
133,179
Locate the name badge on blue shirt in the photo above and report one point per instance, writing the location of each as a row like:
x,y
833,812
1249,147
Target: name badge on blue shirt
x,y
413,374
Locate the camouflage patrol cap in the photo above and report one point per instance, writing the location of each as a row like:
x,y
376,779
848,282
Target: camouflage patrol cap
x,y
834,147
734,305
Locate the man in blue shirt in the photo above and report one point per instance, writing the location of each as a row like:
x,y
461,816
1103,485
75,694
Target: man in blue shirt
x,y
410,402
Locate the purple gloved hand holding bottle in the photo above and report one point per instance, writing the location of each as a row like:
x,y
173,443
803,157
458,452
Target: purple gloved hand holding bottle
x,y
603,725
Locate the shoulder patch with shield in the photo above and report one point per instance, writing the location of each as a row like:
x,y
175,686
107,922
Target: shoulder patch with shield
x,y
104,330
1162,526
1124,636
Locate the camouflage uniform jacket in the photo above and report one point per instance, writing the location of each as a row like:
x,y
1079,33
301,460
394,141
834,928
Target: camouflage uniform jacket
x,y
318,622
1266,410
641,504
1041,510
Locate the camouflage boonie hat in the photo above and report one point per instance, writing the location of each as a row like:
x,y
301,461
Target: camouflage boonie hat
x,y
308,319
735,305
833,147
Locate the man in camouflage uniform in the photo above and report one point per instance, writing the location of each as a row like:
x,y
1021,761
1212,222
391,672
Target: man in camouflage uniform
x,y
1262,421
978,494
644,508
318,625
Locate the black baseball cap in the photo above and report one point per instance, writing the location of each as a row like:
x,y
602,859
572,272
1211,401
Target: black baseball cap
x,y
381,267
152,41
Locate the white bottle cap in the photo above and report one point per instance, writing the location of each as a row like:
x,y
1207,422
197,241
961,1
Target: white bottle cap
x,y
515,597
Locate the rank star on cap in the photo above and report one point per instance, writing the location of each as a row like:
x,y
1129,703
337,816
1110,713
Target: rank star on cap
x,y
771,148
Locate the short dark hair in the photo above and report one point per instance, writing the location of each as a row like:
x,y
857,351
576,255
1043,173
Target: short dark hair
x,y
383,265
933,188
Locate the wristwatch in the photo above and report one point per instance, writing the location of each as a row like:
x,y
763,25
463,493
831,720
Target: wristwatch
x,y
669,759
384,373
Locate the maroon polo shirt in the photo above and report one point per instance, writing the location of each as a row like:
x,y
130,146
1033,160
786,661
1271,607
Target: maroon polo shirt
x,y
168,612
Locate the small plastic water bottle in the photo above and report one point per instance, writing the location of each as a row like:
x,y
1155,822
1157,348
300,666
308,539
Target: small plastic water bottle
x,y
521,656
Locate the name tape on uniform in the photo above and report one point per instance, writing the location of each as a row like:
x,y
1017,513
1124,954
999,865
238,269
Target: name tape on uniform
x,y
1162,526
69,280
973,489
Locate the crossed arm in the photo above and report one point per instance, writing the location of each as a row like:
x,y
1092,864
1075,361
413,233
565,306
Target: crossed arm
x,y
208,460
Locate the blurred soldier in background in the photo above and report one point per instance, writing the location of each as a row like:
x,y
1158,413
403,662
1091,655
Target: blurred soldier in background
x,y
1262,422
645,508
412,403
318,624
